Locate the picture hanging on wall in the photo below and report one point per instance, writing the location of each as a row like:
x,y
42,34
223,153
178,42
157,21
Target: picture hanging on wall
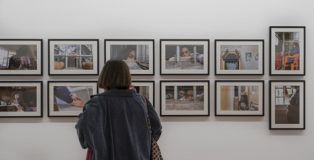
x,y
137,53
239,57
184,57
239,98
20,99
287,50
67,98
144,88
21,57
73,56
184,98
287,105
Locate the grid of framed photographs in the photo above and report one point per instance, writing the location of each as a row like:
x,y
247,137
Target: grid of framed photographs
x,y
188,57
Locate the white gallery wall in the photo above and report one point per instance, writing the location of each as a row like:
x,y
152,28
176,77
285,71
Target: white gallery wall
x,y
183,138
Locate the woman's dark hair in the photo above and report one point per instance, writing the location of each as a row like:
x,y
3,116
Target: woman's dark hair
x,y
115,75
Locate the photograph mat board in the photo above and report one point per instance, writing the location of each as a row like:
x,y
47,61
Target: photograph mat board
x,y
260,57
273,51
94,44
184,71
51,86
38,98
184,112
38,43
150,53
273,103
232,84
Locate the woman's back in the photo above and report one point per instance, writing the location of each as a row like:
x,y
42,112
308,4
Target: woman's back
x,y
114,125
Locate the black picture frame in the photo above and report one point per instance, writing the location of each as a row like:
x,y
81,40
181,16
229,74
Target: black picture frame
x,y
270,50
41,99
270,104
49,96
241,40
73,74
185,115
241,115
134,40
184,74
41,57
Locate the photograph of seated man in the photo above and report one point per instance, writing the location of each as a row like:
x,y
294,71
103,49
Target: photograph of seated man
x,y
287,51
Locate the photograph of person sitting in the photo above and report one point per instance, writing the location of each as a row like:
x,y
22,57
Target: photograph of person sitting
x,y
186,98
287,51
135,56
287,105
186,59
18,57
21,99
70,98
73,57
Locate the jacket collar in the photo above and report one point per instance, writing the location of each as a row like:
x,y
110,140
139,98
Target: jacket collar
x,y
120,92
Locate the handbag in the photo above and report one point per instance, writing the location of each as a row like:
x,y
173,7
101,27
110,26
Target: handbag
x,y
155,150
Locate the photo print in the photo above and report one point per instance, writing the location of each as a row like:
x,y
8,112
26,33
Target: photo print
x,y
184,56
20,57
184,98
287,104
73,57
67,98
137,54
239,57
21,99
239,98
287,50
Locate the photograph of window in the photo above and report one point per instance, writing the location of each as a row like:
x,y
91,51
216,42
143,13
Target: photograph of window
x,y
20,57
239,98
67,98
137,54
287,104
21,99
184,56
184,98
239,57
287,50
73,57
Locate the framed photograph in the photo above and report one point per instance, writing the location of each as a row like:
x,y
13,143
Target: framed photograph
x,y
73,57
184,57
137,53
67,98
287,50
287,105
184,98
21,57
239,57
145,88
20,99
239,98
